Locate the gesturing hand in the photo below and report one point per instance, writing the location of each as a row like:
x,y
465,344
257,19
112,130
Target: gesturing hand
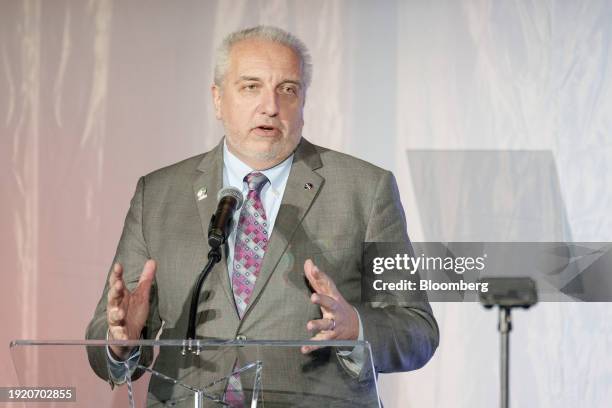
x,y
127,311
340,320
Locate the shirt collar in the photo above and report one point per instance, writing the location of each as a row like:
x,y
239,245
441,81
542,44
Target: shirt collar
x,y
236,170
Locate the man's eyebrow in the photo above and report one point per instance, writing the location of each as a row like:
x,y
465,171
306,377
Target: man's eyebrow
x,y
257,79
291,81
248,78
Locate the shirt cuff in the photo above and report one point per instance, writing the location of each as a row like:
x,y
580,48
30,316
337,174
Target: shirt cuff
x,y
118,369
353,360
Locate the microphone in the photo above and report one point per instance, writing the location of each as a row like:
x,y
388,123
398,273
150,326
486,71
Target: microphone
x,y
229,200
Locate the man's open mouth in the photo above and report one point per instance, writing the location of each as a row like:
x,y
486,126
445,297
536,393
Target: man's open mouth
x,y
266,130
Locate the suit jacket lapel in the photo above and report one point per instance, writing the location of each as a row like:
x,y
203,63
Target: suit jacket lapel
x,y
210,178
296,201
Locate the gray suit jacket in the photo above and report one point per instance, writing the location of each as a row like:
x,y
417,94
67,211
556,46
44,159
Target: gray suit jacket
x,y
351,202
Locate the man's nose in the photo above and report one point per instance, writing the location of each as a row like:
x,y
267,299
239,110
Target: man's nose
x,y
269,103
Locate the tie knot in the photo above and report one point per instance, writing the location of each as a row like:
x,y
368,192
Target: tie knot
x,y
255,180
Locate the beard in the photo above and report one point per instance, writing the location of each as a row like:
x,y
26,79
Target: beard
x,y
276,152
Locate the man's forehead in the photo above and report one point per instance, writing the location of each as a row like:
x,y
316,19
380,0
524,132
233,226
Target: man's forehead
x,y
254,57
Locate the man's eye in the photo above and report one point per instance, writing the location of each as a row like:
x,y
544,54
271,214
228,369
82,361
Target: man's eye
x,y
250,87
289,90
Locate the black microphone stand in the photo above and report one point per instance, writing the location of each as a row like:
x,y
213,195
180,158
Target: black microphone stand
x,y
214,256
229,201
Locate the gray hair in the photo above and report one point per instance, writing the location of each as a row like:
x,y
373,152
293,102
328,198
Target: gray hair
x,y
262,32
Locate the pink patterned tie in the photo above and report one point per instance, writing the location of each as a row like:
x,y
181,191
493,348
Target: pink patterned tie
x,y
251,242
250,248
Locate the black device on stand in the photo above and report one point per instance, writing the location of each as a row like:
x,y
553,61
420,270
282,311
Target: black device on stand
x,y
507,293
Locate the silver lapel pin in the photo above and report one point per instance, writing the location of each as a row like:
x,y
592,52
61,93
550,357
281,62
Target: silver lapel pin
x,y
201,194
308,186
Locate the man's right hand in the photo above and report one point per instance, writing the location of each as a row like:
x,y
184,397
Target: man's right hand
x,y
127,311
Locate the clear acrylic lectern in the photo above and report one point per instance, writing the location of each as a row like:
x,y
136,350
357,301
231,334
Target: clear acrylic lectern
x,y
201,373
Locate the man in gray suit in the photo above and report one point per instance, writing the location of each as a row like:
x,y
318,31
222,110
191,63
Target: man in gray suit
x,y
316,206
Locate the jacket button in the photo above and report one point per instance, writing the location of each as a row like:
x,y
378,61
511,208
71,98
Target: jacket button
x,y
241,337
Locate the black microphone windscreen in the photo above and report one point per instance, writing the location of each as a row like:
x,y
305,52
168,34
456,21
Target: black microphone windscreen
x,y
231,192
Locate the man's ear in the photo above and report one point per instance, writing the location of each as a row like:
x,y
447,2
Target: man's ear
x,y
216,96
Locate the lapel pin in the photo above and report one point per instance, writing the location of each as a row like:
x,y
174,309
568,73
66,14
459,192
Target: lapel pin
x,y
201,194
308,186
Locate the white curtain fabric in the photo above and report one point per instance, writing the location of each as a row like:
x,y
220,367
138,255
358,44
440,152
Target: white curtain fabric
x,y
95,93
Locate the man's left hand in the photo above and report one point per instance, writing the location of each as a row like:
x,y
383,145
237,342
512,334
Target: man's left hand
x,y
340,320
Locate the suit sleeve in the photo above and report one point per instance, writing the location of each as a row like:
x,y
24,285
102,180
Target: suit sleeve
x,y
132,253
402,336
